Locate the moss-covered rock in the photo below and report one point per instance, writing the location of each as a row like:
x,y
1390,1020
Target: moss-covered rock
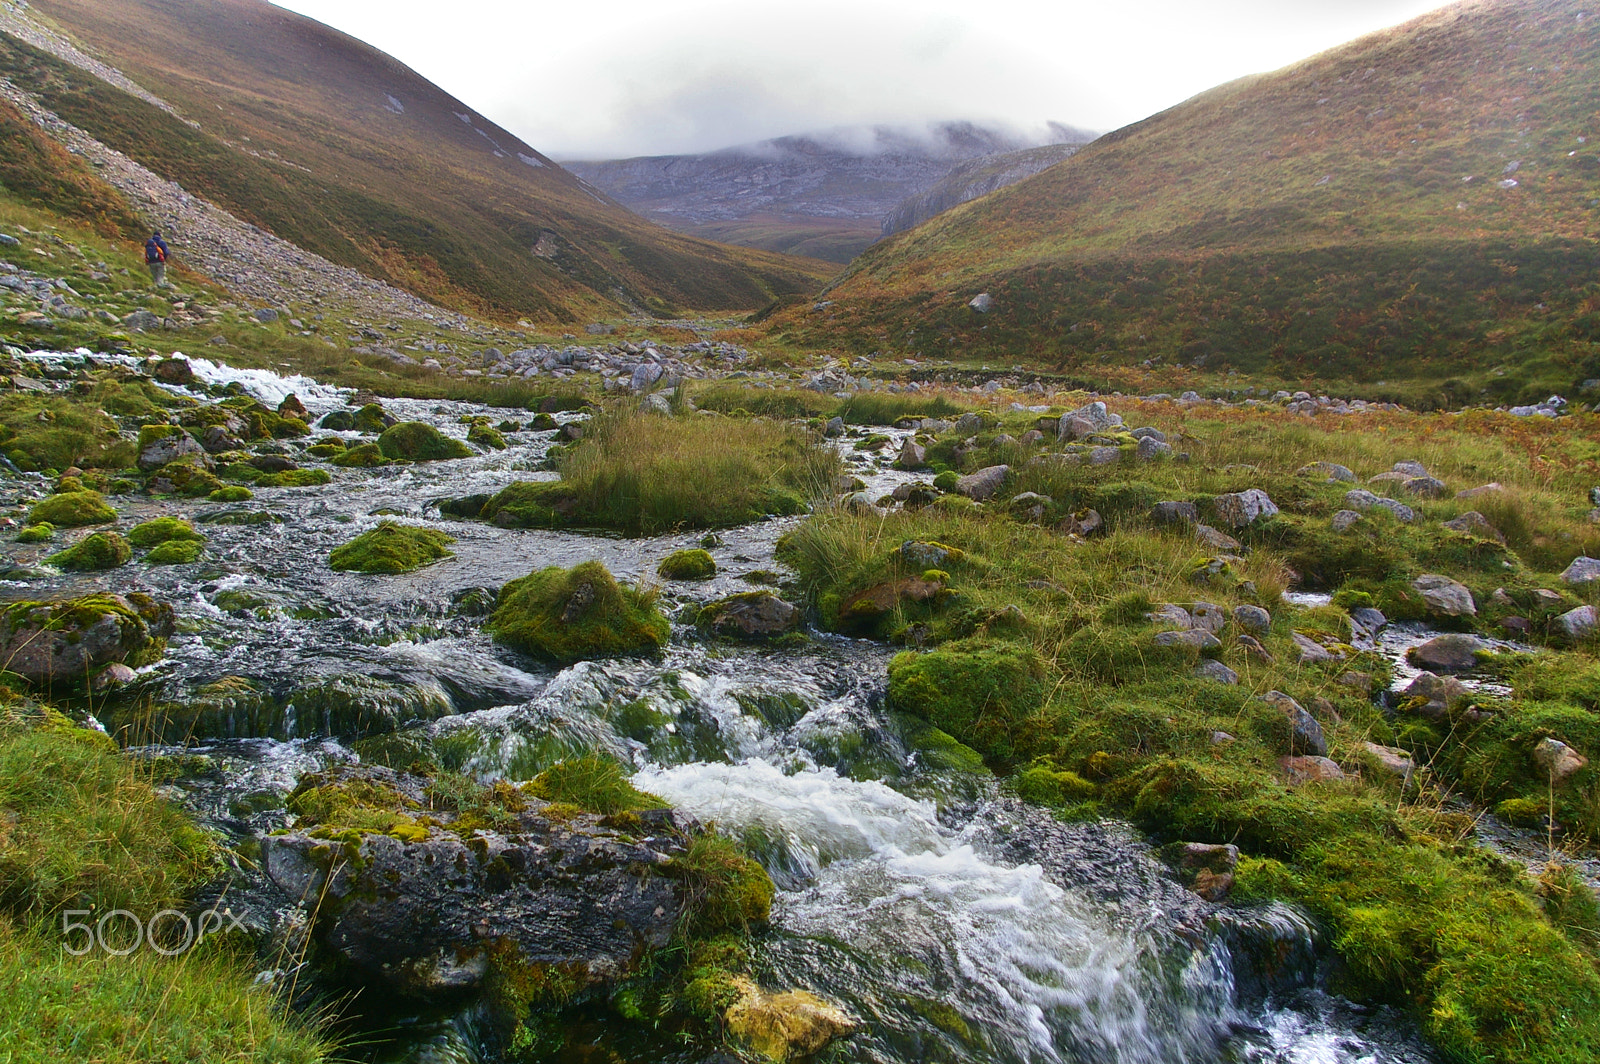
x,y
102,550
784,1026
161,529
232,493
486,436
417,441
186,476
175,552
366,456
979,692
391,548
40,533
371,419
567,615
294,478
75,509
687,565
529,504
67,641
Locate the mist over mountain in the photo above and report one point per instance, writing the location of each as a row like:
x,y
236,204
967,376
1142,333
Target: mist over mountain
x,y
823,194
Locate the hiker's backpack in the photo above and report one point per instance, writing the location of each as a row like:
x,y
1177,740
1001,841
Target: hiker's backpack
x,y
153,252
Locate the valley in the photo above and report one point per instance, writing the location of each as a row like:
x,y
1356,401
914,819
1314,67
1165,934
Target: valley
x,y
1146,607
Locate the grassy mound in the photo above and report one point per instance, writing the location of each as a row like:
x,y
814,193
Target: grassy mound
x,y
54,432
102,550
74,509
687,565
175,552
647,474
417,441
161,530
595,784
366,456
567,615
391,548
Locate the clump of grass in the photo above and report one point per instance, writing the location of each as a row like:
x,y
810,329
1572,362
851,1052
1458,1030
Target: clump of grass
x,y
567,615
646,474
102,550
162,530
175,552
723,889
55,432
73,509
593,783
392,548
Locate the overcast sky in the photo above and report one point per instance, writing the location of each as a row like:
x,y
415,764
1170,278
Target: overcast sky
x,y
616,78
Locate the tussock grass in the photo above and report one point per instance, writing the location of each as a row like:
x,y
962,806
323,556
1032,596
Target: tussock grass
x,y
594,783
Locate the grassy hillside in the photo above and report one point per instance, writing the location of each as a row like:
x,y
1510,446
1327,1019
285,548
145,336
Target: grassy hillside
x,y
337,147
1421,202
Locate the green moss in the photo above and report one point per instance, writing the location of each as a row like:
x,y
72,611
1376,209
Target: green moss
x,y
529,504
365,456
294,478
39,533
371,419
73,510
1043,784
161,530
175,552
391,548
487,436
186,476
947,480
149,434
723,890
232,493
567,615
102,550
593,783
58,431
979,692
417,441
687,565
333,804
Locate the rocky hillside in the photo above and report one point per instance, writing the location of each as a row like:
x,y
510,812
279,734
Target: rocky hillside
x,y
970,180
1421,202
323,141
823,194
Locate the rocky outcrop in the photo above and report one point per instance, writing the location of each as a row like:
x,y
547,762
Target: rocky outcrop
x,y
752,615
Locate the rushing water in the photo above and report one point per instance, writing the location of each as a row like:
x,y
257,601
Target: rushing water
x,y
958,924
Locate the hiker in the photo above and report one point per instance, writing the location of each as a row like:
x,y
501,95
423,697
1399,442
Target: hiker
x,y
155,256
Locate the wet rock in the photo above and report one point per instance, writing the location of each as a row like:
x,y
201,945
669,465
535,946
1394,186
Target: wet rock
x,y
1206,868
1447,653
752,615
1215,670
984,483
1475,524
1582,571
1445,596
422,916
1390,762
1576,624
834,428
1252,618
293,407
1557,759
215,440
170,445
273,463
69,640
795,1023
1298,771
1331,471
1305,734
174,371
1244,508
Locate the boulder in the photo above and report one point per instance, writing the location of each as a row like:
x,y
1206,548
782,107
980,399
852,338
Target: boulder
x,y
1426,487
983,302
1312,652
1213,539
70,640
1305,734
1331,471
922,554
753,615
1169,513
1151,448
1557,759
912,455
1193,638
1298,771
656,403
1390,762
1582,571
168,444
644,375
173,371
834,428
1438,692
1410,468
1343,520
426,914
1576,624
1447,653
1252,618
1030,505
984,483
1244,508
1445,596
1215,670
